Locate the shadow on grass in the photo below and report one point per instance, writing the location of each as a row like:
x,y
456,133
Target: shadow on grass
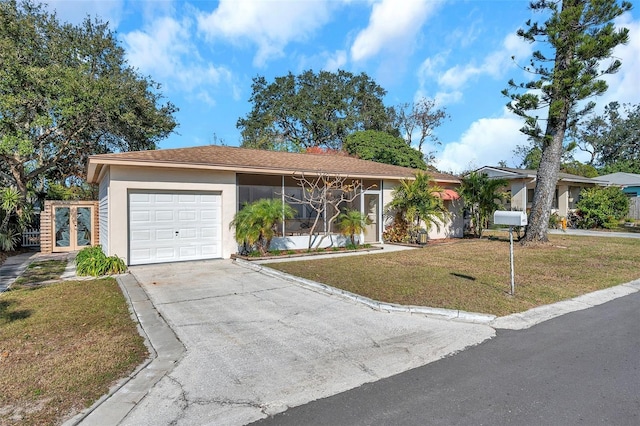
x,y
466,277
8,316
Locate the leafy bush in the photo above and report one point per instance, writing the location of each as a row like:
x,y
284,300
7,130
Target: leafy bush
x,y
555,221
397,232
9,239
602,207
14,217
92,261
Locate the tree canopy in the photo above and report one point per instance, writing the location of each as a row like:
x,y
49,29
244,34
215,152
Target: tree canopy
x,y
67,92
417,121
383,148
613,139
580,36
295,112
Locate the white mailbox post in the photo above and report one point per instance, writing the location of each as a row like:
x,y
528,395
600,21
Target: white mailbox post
x,y
502,217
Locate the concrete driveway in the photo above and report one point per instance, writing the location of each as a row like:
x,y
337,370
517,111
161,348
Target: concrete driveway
x,y
256,344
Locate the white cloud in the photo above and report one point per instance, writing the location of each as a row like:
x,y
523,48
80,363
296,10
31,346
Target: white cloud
x,y
75,12
336,61
270,25
164,50
392,24
495,64
486,142
624,86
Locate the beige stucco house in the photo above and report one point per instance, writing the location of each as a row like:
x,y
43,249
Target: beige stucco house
x,y
523,182
177,204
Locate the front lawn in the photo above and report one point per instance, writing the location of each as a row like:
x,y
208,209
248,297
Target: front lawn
x,y
61,347
473,275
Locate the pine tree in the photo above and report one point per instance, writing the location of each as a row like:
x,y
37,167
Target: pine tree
x,y
580,35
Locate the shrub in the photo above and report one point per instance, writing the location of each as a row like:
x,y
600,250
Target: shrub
x,y
255,223
397,232
602,207
92,261
555,221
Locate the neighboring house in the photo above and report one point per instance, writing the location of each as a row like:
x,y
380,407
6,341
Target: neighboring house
x,y
177,204
630,184
523,182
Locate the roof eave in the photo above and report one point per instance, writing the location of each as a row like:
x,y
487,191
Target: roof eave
x,y
96,163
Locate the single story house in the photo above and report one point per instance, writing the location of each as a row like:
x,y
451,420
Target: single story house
x,y
629,182
177,204
523,182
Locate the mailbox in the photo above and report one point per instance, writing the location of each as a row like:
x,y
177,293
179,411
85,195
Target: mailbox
x,y
511,218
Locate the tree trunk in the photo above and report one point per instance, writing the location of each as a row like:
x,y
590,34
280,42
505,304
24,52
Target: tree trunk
x,y
17,171
546,180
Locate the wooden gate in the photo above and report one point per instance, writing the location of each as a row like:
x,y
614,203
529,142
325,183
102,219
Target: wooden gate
x,y
68,225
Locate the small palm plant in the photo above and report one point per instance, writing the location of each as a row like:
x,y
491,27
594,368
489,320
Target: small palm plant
x,y
418,201
256,222
353,222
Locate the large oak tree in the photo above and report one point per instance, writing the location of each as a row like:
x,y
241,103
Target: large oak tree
x,y
579,37
67,92
295,112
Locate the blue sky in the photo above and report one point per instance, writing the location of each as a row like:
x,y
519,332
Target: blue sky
x,y
205,53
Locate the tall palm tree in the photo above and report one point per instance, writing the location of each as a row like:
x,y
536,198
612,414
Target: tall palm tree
x,y
419,201
482,196
353,222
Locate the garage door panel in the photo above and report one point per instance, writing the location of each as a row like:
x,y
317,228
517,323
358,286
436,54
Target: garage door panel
x,y
187,215
165,253
188,198
164,216
140,235
140,216
164,234
188,233
143,255
209,233
209,214
139,198
209,199
163,198
165,227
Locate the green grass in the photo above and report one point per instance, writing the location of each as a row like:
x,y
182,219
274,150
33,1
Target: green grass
x,y
37,272
473,275
61,347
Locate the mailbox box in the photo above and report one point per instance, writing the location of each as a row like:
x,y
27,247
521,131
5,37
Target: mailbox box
x,y
502,217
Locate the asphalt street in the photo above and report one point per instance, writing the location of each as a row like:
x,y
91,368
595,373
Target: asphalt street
x,y
580,368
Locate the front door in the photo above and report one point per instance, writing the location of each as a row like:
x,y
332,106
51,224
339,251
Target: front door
x,y
72,227
371,209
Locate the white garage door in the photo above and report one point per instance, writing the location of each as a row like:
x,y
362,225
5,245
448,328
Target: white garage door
x,y
169,227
